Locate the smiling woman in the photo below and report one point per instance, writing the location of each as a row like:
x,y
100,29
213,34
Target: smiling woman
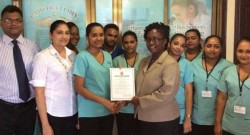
x,y
207,72
184,95
157,83
91,74
130,59
233,109
53,82
74,36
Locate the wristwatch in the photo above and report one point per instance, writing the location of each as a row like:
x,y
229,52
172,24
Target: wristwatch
x,y
188,115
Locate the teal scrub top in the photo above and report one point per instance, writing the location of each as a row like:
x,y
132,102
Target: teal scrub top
x,y
97,81
197,57
235,123
186,75
204,107
120,61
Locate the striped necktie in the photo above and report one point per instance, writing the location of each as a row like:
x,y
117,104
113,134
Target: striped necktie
x,y
23,82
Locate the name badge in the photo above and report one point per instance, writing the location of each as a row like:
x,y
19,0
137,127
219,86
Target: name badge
x,y
240,109
206,93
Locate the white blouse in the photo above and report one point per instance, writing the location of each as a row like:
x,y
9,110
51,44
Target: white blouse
x,y
55,74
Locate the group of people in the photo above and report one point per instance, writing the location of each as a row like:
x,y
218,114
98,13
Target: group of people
x,y
183,87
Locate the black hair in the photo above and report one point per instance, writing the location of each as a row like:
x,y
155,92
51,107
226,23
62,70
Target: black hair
x,y
173,37
90,26
177,35
206,40
11,9
195,31
213,36
244,39
131,33
110,25
71,24
55,24
247,39
160,27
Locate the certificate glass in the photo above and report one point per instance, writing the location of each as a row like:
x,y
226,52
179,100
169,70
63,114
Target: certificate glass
x,y
122,84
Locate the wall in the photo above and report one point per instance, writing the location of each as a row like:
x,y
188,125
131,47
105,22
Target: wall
x,y
230,29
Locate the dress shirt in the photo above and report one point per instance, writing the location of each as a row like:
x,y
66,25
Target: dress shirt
x,y
9,86
55,74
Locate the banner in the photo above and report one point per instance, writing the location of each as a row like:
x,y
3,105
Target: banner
x,y
135,16
38,16
187,14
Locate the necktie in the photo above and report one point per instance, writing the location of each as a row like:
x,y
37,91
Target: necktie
x,y
23,82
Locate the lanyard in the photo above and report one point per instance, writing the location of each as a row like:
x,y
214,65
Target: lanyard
x,y
209,73
127,60
240,86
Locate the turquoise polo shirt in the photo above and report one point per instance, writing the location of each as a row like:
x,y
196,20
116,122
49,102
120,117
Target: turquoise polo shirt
x,y
120,61
186,76
97,80
204,107
235,123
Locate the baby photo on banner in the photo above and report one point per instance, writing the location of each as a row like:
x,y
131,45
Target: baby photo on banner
x,y
188,14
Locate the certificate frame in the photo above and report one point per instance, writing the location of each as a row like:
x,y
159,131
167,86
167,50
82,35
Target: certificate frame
x,y
122,84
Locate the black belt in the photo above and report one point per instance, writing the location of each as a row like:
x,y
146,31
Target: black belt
x,y
16,105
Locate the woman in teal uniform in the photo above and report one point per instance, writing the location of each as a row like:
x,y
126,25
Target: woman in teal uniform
x,y
233,101
193,46
185,92
91,70
207,72
130,59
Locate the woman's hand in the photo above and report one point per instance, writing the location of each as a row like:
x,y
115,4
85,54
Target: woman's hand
x,y
120,104
111,106
217,129
47,130
187,126
135,100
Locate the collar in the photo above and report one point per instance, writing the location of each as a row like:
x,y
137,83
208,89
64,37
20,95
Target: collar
x,y
162,57
7,40
158,62
53,51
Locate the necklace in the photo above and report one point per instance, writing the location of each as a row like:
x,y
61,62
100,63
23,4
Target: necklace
x,y
67,69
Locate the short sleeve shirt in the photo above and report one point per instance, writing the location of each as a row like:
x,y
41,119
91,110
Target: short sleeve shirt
x,y
97,80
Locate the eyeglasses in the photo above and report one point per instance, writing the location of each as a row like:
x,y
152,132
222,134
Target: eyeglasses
x,y
9,20
155,40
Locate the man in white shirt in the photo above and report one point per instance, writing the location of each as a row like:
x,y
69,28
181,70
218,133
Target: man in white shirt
x,y
17,103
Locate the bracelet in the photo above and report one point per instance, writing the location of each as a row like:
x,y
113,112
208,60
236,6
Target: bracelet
x,y
188,115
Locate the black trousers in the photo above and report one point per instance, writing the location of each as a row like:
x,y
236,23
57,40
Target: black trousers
x,y
158,128
125,123
202,129
18,119
62,125
96,125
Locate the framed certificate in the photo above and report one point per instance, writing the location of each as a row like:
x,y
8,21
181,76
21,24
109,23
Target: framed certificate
x,y
122,84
